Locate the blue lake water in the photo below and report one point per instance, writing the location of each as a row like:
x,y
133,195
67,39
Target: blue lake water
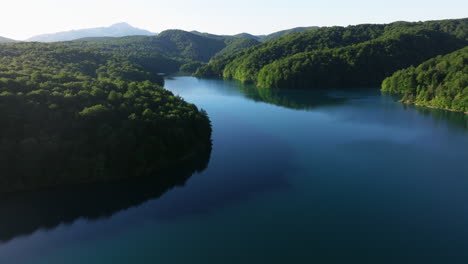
x,y
343,176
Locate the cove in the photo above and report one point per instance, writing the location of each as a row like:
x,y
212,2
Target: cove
x,y
339,176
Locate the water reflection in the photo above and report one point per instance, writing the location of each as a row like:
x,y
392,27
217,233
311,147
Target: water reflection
x,y
24,213
308,100
453,119
293,99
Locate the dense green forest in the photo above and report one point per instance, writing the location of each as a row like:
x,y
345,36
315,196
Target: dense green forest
x,y
73,115
334,56
364,64
441,82
236,45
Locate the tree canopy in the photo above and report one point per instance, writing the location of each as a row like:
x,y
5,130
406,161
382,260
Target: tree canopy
x,y
74,114
354,55
441,82
168,51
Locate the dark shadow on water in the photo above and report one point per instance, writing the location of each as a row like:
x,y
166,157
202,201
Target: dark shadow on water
x,y
27,212
239,171
246,164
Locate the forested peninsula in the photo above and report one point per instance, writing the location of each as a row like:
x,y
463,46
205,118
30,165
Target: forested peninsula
x,y
441,82
74,115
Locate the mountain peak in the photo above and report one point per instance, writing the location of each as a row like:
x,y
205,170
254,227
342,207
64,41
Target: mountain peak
x,y
121,25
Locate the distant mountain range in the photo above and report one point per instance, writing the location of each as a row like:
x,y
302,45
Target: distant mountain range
x,y
124,29
116,30
6,40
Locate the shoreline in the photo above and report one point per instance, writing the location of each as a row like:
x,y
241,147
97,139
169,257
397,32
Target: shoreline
x,y
432,107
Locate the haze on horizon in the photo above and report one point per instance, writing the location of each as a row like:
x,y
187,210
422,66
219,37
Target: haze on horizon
x,y
25,18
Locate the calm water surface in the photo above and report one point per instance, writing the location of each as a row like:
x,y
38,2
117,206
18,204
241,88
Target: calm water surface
x,y
294,177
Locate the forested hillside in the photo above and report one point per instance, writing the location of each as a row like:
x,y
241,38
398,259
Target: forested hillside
x,y
354,55
73,115
168,51
248,36
235,45
441,82
282,33
364,64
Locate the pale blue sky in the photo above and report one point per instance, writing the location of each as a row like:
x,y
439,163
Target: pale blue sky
x,y
21,19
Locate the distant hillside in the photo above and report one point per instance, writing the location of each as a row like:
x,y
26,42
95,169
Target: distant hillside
x,y
168,51
6,40
208,35
96,39
261,38
116,30
249,36
179,43
279,34
234,45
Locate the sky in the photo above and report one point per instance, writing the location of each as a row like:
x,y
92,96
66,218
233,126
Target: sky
x,y
22,19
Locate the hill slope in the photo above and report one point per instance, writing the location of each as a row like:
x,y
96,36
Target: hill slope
x,y
6,40
282,33
116,30
294,60
168,51
247,35
441,82
363,64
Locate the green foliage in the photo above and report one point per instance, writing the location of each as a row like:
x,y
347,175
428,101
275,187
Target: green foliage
x,y
282,33
95,111
191,67
354,55
95,114
234,45
363,64
441,82
185,45
168,51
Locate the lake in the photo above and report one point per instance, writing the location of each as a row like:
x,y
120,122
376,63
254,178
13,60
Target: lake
x,y
341,176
